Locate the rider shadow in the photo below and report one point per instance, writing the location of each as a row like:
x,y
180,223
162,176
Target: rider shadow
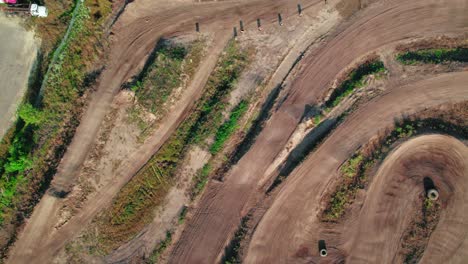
x,y
428,184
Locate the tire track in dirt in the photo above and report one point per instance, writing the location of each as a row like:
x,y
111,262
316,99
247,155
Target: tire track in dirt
x,y
395,193
293,214
383,23
133,40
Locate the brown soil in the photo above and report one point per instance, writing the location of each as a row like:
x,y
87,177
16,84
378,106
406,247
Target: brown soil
x,y
300,197
133,37
292,215
223,205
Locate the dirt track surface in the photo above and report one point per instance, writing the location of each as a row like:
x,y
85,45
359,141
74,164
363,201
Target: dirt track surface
x,y
224,204
395,192
293,215
134,39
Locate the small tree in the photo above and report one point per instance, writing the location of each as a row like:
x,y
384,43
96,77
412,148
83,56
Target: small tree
x,y
30,115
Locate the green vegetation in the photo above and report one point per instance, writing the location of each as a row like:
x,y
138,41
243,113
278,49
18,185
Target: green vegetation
x,y
417,234
182,214
166,70
219,85
134,205
201,179
354,80
166,75
154,258
317,119
31,150
162,77
434,56
30,115
226,129
231,252
354,178
350,168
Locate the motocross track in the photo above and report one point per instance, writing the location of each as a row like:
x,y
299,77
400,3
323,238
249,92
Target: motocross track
x,y
293,214
134,36
223,204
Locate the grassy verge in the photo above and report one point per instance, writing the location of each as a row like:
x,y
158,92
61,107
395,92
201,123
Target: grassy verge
x,y
134,205
353,179
356,170
434,56
172,62
201,179
354,80
39,137
228,127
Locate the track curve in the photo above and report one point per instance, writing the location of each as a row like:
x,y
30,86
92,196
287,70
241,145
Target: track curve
x,y
293,214
394,194
385,22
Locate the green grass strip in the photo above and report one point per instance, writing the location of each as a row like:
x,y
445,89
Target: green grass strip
x,y
228,128
434,56
355,80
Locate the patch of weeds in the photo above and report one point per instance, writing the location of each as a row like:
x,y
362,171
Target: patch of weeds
x,y
351,167
433,56
355,80
417,234
135,116
219,85
201,179
160,248
232,251
169,67
354,179
228,127
39,137
317,119
134,205
162,77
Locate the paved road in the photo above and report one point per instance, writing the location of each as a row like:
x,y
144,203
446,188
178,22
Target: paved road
x,y
17,54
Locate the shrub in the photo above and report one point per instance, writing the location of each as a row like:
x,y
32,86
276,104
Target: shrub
x,y
226,129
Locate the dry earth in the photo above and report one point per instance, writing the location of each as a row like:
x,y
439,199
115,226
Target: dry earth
x,y
293,213
223,205
133,39
298,202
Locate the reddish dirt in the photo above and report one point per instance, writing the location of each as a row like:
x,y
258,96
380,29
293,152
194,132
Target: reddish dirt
x,y
293,214
223,205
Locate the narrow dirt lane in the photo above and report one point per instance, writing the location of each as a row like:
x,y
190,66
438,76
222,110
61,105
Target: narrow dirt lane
x,y
223,205
293,214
